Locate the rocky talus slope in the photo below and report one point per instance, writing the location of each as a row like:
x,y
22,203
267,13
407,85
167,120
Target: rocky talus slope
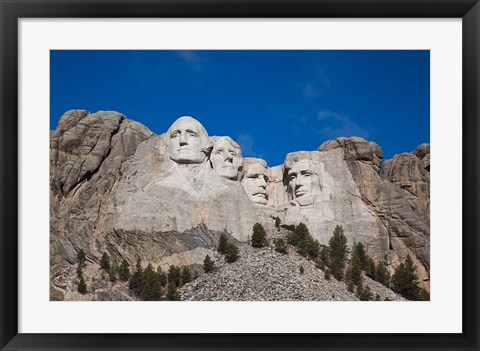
x,y
262,274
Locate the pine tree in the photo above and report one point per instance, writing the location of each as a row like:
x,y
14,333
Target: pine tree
x,y
162,277
324,255
79,272
105,262
302,270
382,275
327,274
278,222
292,238
157,289
174,275
172,293
208,264
151,289
337,252
359,250
186,275
232,253
400,278
82,287
312,247
423,295
280,245
306,245
124,271
302,231
354,271
259,236
404,280
112,273
364,293
371,270
222,243
81,258
136,280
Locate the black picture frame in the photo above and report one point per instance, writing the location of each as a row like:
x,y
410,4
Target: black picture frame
x,y
11,11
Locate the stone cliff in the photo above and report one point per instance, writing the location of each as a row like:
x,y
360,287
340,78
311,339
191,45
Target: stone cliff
x,y
116,187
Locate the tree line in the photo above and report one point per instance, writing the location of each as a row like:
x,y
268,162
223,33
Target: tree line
x,y
147,284
335,259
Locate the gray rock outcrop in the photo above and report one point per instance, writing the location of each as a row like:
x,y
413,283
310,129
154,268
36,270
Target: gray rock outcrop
x,y
403,222
118,188
88,153
411,172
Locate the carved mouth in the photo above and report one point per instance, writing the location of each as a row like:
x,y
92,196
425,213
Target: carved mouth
x,y
261,194
300,193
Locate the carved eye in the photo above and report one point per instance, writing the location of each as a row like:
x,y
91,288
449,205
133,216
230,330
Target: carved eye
x,y
192,134
293,176
219,152
174,136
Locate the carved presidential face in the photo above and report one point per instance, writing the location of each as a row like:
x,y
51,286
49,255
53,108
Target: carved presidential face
x,y
226,157
186,141
303,183
255,183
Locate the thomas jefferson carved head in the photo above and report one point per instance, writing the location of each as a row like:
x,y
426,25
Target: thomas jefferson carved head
x,y
226,157
254,180
187,141
303,183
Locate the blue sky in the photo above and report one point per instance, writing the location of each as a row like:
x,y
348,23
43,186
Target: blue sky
x,y
270,102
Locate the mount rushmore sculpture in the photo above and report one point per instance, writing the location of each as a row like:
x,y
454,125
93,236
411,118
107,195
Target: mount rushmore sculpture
x,y
117,187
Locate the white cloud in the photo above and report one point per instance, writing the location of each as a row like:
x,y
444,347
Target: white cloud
x,y
324,114
192,58
246,144
340,125
317,86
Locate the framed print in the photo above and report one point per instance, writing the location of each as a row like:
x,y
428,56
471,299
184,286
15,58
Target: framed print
x,y
239,175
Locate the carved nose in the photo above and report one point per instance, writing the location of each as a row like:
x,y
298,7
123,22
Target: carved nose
x,y
300,181
263,183
229,159
183,139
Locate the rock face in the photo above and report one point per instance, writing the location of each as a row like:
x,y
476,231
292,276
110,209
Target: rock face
x,y
403,222
118,188
411,172
87,156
